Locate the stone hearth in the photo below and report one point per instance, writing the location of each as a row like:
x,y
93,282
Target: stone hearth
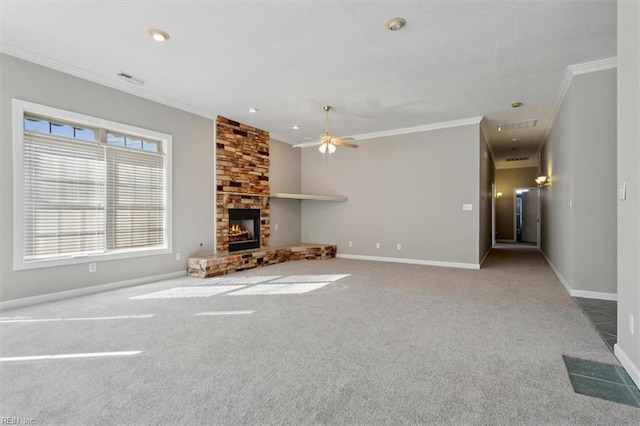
x,y
225,263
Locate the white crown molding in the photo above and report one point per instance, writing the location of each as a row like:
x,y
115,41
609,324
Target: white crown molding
x,y
485,133
417,129
567,77
104,81
281,139
594,66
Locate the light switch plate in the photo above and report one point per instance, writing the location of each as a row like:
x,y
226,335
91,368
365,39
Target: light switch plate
x,y
622,192
467,207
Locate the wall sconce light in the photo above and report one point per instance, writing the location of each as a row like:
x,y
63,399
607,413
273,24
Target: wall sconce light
x,y
498,195
543,181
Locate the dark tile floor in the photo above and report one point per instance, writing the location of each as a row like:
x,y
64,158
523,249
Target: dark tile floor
x,y
603,381
603,314
610,382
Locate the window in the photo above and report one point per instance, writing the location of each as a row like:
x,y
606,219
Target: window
x,y
87,187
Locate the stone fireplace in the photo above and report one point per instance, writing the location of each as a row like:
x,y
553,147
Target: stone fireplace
x,y
242,184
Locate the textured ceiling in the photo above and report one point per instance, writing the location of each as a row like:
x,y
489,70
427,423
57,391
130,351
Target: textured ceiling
x,y
454,60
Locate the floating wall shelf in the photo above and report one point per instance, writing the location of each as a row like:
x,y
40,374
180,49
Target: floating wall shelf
x,y
310,197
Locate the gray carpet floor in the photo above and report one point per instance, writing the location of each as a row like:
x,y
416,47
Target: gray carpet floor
x,y
387,344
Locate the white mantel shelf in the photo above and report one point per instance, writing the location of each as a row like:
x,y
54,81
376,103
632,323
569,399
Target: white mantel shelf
x,y
310,197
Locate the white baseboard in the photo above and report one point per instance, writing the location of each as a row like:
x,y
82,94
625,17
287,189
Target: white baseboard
x,y
578,293
557,273
485,256
629,366
411,261
594,295
52,297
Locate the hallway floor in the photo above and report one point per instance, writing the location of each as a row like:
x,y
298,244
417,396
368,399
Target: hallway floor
x,y
603,315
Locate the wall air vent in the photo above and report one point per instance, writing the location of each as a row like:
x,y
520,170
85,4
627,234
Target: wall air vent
x,y
517,124
517,159
131,79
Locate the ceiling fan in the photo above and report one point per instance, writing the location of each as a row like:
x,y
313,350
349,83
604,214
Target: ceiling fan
x,y
328,142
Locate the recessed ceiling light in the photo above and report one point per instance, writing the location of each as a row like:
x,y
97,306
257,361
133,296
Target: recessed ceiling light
x,y
394,24
253,110
295,127
158,35
516,105
514,140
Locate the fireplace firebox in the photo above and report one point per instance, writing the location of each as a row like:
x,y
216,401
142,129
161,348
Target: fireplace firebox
x,y
244,229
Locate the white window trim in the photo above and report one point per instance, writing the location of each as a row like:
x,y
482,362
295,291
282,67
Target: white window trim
x,y
20,108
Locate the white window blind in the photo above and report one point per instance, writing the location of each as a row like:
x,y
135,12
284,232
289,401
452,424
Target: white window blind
x,y
88,187
64,197
135,199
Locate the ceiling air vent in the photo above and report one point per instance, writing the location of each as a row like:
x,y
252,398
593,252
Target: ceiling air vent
x,y
131,79
517,124
517,158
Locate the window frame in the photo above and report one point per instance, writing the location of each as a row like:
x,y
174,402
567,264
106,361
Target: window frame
x,y
20,109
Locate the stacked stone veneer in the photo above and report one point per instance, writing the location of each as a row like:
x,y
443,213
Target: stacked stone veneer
x,y
242,176
211,266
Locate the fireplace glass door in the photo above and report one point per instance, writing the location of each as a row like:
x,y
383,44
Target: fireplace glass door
x,y
244,229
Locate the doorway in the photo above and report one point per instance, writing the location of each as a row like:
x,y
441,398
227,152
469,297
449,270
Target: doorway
x,y
526,215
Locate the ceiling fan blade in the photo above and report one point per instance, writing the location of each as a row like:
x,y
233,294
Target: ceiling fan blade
x,y
345,144
306,144
345,139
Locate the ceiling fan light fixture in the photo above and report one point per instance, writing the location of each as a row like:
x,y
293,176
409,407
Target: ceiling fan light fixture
x,y
395,24
322,148
331,148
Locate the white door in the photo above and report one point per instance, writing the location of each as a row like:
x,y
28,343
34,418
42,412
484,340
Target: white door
x,y
530,216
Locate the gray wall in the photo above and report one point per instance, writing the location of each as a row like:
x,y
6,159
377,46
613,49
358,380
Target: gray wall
x,y
193,159
486,179
594,188
506,181
284,177
578,209
556,239
406,189
628,211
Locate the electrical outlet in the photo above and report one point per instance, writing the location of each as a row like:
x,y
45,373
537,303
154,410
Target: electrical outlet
x,y
93,267
377,245
398,246
350,243
178,256
630,325
467,207
275,226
